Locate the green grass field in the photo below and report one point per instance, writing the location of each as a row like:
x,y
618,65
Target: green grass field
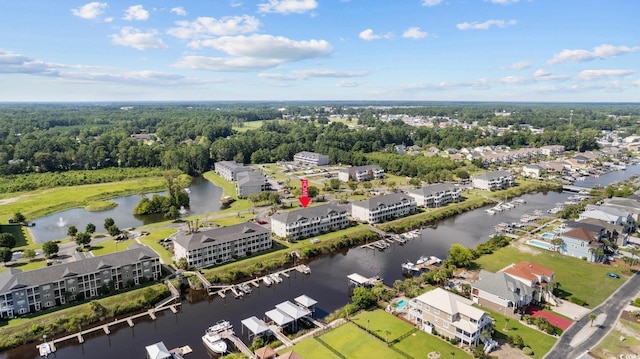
x,y
612,347
354,343
584,280
379,322
246,126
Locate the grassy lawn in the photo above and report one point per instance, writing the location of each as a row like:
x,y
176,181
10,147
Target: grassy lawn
x,y
354,343
311,349
577,278
420,344
612,347
152,241
379,321
20,233
538,341
246,126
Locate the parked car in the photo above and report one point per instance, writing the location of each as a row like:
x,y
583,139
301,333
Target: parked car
x,y
613,275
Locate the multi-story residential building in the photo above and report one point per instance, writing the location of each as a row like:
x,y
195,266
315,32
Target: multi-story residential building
x,y
501,292
581,243
435,195
533,170
553,150
251,182
361,173
229,169
535,276
493,180
39,289
383,208
448,314
311,158
306,222
213,246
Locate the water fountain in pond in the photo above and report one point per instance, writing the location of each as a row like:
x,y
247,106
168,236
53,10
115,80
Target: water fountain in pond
x,y
61,223
182,211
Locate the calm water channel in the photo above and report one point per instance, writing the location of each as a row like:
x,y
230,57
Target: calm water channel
x,y
204,198
327,284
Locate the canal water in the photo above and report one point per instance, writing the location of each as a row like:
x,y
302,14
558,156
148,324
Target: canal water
x,y
204,198
327,283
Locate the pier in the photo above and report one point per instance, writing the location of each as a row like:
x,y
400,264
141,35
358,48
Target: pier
x,y
106,328
379,244
575,189
235,289
228,334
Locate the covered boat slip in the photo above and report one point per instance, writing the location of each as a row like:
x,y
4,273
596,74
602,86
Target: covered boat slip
x,y
283,315
255,326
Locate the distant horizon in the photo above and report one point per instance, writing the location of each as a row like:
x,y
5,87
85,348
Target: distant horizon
x,y
540,51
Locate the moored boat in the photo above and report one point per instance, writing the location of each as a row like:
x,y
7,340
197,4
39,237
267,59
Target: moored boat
x,y
212,338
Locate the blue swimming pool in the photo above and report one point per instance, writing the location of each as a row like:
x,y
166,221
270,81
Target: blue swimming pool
x,y
547,236
539,244
401,304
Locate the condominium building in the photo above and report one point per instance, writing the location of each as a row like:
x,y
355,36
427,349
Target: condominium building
x,y
449,314
383,208
311,158
361,173
303,223
39,289
229,169
435,195
495,180
251,182
213,246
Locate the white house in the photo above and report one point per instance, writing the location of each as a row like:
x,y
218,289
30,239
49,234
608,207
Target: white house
x,y
383,208
493,180
360,173
435,195
311,158
306,222
534,171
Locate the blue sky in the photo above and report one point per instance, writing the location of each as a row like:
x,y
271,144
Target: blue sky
x,y
424,50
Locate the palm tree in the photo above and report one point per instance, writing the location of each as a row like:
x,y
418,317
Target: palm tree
x,y
592,317
557,243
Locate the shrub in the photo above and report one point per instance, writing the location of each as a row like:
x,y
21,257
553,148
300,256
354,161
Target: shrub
x,y
636,302
577,301
527,351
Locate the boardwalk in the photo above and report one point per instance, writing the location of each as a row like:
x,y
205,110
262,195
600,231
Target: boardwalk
x,y
281,337
228,334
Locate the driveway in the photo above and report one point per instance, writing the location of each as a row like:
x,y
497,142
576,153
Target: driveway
x,y
571,310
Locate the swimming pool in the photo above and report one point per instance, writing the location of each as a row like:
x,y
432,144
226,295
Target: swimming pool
x,y
558,230
401,304
547,236
539,244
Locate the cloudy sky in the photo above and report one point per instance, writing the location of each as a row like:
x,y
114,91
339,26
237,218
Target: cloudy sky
x,y
426,50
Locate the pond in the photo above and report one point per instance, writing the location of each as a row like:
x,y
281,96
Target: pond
x,y
204,198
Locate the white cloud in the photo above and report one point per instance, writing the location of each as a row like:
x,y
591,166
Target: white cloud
x,y
236,3
13,63
90,11
519,65
136,13
485,25
288,6
309,73
137,39
504,2
207,27
541,73
431,2
517,80
369,35
414,33
255,52
179,10
346,83
600,52
589,75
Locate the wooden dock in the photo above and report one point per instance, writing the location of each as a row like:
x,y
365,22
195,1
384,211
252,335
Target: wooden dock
x,y
379,244
281,337
106,328
229,334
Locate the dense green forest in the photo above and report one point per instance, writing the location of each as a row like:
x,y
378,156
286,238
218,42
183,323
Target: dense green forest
x,y
191,137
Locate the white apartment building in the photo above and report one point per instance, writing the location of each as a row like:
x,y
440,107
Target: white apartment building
x,y
214,246
307,222
311,158
383,208
435,195
495,180
361,173
229,169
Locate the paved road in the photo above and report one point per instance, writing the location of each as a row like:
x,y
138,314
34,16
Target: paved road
x,y
582,335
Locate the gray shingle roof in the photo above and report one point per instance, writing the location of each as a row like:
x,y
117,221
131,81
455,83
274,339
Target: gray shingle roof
x,y
15,278
433,188
311,212
493,175
502,285
219,235
386,200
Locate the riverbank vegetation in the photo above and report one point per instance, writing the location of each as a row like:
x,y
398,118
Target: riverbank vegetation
x,y
74,316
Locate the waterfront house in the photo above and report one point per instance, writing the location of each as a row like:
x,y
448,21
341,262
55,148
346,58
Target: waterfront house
x,y
495,180
251,182
383,208
204,248
306,222
552,150
535,276
307,158
360,173
534,171
580,243
39,289
435,195
626,204
501,292
229,169
443,312
613,232
611,215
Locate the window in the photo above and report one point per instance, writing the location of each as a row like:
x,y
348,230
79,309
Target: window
x,y
436,311
445,324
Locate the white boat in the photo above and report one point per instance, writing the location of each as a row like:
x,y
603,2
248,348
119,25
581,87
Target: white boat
x,y
410,268
214,342
220,327
275,277
245,288
490,211
267,280
44,349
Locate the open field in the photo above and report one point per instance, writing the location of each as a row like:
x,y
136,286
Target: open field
x,y
246,126
612,347
152,239
578,278
354,343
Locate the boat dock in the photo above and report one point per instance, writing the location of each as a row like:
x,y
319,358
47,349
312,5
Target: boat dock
x,y
379,244
281,337
106,328
230,335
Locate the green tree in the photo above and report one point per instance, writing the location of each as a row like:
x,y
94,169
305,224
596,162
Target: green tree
x,y
172,214
108,222
5,255
19,217
113,230
83,238
313,191
91,228
7,240
460,256
363,298
29,254
352,184
72,231
334,183
50,249
182,263
592,318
